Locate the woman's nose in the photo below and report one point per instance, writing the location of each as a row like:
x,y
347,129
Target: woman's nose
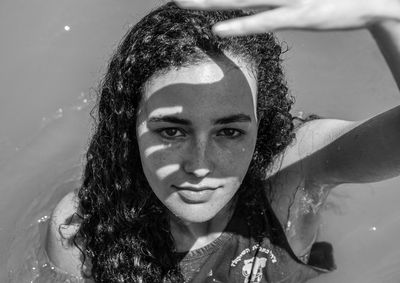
x,y
198,159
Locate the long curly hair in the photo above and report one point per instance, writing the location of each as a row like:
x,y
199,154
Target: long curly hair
x,y
124,233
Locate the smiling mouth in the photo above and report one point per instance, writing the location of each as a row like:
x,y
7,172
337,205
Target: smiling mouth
x,y
195,189
195,195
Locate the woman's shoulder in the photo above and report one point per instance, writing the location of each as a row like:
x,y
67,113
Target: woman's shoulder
x,y
297,191
59,246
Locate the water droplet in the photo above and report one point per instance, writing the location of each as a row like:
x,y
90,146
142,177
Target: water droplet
x,y
373,228
67,28
288,225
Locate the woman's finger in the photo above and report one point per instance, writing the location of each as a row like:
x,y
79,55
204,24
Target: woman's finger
x,y
281,18
230,4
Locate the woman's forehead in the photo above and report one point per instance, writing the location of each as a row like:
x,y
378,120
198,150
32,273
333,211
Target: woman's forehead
x,y
215,85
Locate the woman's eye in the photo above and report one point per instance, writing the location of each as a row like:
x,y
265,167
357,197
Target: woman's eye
x,y
171,133
230,133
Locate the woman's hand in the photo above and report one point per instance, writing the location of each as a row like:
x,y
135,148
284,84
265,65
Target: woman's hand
x,y
299,14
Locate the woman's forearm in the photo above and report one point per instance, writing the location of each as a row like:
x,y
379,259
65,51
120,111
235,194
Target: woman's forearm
x,y
387,36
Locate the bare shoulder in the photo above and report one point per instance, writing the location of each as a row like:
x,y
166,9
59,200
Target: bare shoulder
x,y
299,165
61,228
298,191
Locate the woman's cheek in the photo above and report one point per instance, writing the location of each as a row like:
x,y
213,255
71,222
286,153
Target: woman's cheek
x,y
237,158
243,150
165,163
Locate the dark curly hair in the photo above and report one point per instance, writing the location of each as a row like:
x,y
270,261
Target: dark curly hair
x,y
124,233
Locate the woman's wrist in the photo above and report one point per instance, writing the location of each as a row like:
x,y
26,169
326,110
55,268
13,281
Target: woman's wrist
x,y
388,28
385,10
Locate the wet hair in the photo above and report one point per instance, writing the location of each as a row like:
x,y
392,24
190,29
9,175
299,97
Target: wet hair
x,y
124,233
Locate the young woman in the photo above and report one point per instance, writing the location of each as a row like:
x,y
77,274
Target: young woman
x,y
196,171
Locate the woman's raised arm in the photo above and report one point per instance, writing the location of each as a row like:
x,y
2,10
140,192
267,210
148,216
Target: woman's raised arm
x,y
299,14
332,151
387,36
364,151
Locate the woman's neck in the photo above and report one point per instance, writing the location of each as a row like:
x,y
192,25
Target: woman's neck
x,y
191,236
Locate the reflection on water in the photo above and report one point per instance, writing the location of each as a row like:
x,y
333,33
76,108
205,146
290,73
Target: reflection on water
x,y
33,179
363,224
28,261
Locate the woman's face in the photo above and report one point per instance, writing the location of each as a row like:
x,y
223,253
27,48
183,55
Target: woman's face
x,y
197,131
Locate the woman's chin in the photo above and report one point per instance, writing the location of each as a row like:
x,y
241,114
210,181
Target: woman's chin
x,y
194,213
199,208
201,212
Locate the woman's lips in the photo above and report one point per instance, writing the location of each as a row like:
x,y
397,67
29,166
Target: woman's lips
x,y
195,194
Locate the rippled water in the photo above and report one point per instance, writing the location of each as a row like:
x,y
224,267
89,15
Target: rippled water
x,y
33,180
55,54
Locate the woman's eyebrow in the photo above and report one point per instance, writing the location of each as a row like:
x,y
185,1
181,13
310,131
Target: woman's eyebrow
x,y
170,119
224,120
233,119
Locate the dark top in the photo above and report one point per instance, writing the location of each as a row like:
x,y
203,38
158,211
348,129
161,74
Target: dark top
x,y
236,256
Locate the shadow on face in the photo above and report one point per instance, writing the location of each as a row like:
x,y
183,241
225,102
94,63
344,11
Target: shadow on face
x,y
197,130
